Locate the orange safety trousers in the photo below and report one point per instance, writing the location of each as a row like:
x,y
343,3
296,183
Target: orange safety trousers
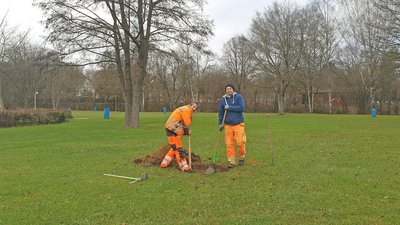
x,y
175,152
235,134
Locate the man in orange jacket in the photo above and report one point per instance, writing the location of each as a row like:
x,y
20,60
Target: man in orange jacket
x,y
176,126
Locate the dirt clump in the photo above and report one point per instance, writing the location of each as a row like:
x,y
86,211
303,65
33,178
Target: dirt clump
x,y
155,158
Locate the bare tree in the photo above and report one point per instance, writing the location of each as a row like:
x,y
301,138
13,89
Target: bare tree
x,y
105,83
319,41
29,68
311,52
237,60
274,35
6,35
163,69
192,67
211,87
390,15
64,83
387,84
362,53
330,45
129,29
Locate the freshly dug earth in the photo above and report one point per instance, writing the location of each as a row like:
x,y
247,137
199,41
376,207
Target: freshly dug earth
x,y
155,159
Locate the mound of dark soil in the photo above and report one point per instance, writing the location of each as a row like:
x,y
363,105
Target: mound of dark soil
x,y
155,159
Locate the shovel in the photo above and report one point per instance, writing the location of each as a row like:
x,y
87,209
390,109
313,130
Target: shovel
x,y
211,170
190,155
143,177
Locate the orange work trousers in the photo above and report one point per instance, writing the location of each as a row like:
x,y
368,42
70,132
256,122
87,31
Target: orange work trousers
x,y
235,134
175,142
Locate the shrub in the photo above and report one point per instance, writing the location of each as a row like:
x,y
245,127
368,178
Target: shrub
x,y
33,117
6,119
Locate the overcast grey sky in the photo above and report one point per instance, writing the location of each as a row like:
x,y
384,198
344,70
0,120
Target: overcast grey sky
x,y
231,17
22,14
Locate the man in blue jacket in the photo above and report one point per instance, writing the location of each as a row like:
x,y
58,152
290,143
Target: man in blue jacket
x,y
232,104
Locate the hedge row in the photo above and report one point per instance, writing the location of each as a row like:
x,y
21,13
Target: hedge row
x,y
13,118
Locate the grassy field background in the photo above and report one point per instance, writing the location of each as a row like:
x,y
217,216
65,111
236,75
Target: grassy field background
x,y
329,169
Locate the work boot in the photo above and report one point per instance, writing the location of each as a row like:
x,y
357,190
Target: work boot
x,y
231,165
190,171
241,162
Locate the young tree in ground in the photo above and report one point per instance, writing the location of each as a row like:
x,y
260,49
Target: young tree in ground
x,y
129,30
275,37
237,60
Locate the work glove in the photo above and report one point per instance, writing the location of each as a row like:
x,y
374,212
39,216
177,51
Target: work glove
x,y
186,131
221,127
226,107
182,154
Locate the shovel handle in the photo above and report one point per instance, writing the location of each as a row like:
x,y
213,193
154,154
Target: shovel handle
x,y
223,119
214,158
190,155
123,177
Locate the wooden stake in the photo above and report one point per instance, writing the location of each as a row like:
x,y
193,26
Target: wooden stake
x,y
270,140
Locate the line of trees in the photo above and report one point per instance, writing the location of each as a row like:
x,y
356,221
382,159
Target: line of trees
x,y
326,56
27,70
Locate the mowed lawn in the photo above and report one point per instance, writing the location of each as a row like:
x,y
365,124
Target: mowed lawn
x,y
329,169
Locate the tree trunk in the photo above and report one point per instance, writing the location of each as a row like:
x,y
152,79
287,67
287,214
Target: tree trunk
x,y
57,101
53,97
143,102
281,103
312,101
136,105
330,102
26,102
1,96
255,101
128,110
140,73
309,99
115,103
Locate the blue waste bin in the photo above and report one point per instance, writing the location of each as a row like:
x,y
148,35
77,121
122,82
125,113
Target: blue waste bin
x,y
106,113
373,112
164,109
94,108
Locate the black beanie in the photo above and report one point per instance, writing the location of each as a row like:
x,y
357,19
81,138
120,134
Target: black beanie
x,y
230,85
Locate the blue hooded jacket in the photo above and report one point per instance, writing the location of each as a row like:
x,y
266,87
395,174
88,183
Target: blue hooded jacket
x,y
234,115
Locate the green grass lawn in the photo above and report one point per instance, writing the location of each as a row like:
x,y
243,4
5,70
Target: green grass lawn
x,y
329,169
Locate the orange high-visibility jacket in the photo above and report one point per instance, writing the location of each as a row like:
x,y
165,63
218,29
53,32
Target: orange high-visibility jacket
x,y
180,119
